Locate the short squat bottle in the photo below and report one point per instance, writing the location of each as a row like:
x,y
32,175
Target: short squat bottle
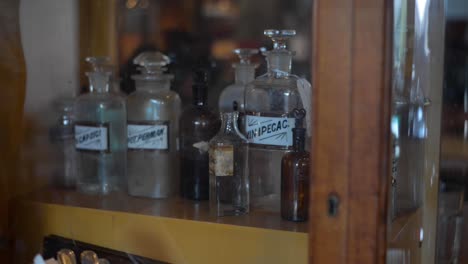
x,y
153,112
100,134
295,175
229,193
198,125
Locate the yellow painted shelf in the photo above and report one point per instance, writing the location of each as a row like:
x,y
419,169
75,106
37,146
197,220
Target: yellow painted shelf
x,y
170,230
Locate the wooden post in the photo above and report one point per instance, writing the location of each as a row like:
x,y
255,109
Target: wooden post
x,y
350,147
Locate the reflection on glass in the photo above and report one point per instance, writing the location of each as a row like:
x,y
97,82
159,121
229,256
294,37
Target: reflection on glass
x,y
449,223
409,108
207,30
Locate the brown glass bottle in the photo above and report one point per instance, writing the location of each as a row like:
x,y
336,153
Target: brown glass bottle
x,y
295,175
198,124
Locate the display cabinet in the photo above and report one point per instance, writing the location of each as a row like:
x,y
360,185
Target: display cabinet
x,y
373,127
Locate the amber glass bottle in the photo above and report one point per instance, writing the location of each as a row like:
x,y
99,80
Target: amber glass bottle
x,y
295,175
198,124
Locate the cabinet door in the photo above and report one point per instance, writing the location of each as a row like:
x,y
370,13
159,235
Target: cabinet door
x,y
377,72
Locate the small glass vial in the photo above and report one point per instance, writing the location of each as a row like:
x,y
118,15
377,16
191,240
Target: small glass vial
x,y
63,138
100,134
229,191
295,175
269,102
244,74
153,112
198,125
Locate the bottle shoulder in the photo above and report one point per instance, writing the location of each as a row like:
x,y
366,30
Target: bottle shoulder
x,y
99,98
274,82
302,157
163,95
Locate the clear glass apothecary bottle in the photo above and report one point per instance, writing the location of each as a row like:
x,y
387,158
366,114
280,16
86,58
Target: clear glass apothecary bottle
x,y
229,182
100,134
244,74
63,138
269,102
153,128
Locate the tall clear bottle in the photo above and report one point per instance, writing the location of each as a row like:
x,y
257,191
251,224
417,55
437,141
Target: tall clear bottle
x,y
153,112
244,74
229,182
100,134
198,125
269,102
63,139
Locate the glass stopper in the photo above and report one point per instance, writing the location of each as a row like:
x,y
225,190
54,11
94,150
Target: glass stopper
x,y
299,115
152,62
279,37
99,64
245,54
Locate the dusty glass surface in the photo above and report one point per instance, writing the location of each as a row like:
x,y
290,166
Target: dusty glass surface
x,y
269,101
153,112
100,135
229,181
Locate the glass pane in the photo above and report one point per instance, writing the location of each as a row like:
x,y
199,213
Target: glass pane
x,y
116,137
415,128
452,235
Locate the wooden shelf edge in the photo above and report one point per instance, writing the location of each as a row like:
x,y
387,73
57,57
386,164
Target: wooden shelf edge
x,y
161,238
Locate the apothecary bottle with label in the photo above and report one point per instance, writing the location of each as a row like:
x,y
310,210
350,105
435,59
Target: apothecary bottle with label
x,y
244,74
153,112
229,182
269,101
198,125
295,175
100,134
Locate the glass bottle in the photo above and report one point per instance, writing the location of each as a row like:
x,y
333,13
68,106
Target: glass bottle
x,y
244,74
295,175
100,134
63,138
229,194
269,101
153,112
198,125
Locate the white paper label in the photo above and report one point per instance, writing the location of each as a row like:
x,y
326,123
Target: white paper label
x,y
222,161
276,131
148,137
91,137
305,91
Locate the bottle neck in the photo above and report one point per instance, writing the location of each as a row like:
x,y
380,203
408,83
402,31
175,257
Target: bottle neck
x,y
279,63
98,82
229,123
199,94
244,73
152,85
298,141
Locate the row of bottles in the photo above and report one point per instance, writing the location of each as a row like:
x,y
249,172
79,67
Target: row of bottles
x,y
253,154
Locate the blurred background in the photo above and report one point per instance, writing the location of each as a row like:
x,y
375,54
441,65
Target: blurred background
x,y
204,32
454,130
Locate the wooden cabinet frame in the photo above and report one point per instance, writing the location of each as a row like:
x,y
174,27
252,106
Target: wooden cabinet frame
x,y
351,117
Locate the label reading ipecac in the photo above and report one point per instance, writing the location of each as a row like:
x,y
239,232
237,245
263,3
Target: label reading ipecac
x,y
222,160
148,136
276,131
92,137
